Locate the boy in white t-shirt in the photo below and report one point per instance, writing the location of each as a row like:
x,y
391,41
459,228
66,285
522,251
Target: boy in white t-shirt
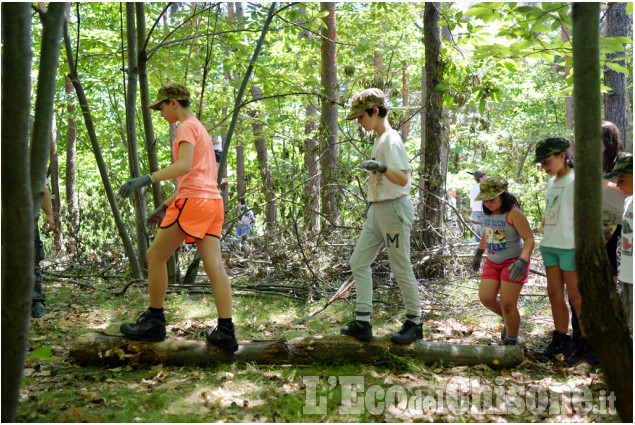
x,y
623,172
389,220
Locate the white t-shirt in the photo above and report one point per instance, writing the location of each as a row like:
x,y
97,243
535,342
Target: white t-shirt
x,y
559,226
390,150
475,206
626,266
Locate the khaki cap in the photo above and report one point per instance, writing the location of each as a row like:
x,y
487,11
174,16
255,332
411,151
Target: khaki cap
x,y
364,100
492,187
170,91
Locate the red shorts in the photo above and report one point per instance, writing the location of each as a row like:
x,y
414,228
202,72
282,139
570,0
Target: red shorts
x,y
196,217
500,272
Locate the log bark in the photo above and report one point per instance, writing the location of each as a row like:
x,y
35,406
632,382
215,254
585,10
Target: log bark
x,y
101,349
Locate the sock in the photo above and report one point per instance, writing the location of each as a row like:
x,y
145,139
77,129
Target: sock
x,y
511,338
414,318
362,317
157,312
226,323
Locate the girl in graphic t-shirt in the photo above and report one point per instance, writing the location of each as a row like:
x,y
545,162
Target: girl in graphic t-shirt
x,y
508,240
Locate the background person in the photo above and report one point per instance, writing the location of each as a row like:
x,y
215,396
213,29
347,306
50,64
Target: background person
x,y
477,206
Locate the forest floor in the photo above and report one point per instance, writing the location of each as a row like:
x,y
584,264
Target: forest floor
x,y
55,390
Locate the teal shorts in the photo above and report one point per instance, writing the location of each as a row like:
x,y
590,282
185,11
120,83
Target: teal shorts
x,y
565,258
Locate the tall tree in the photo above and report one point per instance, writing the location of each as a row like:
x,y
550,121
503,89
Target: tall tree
x,y
17,203
101,164
568,99
602,315
435,164
52,22
71,152
311,145
139,199
616,103
54,170
271,208
328,120
239,18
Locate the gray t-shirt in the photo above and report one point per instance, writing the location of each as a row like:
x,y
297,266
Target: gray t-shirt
x,y
390,150
502,241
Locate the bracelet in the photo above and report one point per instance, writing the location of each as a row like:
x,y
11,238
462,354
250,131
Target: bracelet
x,y
153,179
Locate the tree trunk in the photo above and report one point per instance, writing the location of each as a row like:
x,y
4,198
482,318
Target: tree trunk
x,y
103,171
405,127
138,197
311,160
144,92
328,120
52,22
17,203
616,103
71,151
435,155
271,209
54,168
568,100
100,349
602,315
422,157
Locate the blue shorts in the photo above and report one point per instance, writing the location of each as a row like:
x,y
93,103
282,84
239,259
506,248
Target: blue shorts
x,y
565,258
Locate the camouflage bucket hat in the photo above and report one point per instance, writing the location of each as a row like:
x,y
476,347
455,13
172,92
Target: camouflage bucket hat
x,y
170,91
549,146
365,100
491,187
623,166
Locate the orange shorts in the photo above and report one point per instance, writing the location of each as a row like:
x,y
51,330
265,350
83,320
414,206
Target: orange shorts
x,y
196,217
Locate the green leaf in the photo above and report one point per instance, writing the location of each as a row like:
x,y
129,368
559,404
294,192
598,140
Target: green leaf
x,y
481,106
617,68
480,12
629,8
539,28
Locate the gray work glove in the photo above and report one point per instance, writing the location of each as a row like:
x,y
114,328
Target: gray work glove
x,y
156,215
476,260
372,165
518,269
133,184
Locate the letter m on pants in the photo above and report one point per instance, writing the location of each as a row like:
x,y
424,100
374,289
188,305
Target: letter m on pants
x,y
394,238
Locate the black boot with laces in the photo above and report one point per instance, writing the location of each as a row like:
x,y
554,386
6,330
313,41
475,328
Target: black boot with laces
x,y
148,327
410,332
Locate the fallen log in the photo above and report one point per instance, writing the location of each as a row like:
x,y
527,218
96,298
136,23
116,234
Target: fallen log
x,y
96,348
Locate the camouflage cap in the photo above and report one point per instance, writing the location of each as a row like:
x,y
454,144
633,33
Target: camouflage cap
x,y
549,146
624,165
170,91
364,100
491,187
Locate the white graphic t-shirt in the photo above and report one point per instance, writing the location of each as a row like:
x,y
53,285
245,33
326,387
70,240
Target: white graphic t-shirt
x,y
626,266
559,225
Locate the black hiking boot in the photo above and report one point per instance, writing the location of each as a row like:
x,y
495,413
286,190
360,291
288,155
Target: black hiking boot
x,y
583,352
147,328
560,344
360,330
222,337
38,310
410,332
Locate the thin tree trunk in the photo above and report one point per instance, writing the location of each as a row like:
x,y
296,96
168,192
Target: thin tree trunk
x,y
138,198
52,22
328,120
405,128
271,209
435,152
240,149
103,171
422,157
146,113
311,145
17,203
616,103
602,315
54,168
568,100
71,150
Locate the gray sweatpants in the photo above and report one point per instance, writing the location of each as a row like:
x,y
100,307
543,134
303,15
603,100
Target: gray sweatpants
x,y
388,223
